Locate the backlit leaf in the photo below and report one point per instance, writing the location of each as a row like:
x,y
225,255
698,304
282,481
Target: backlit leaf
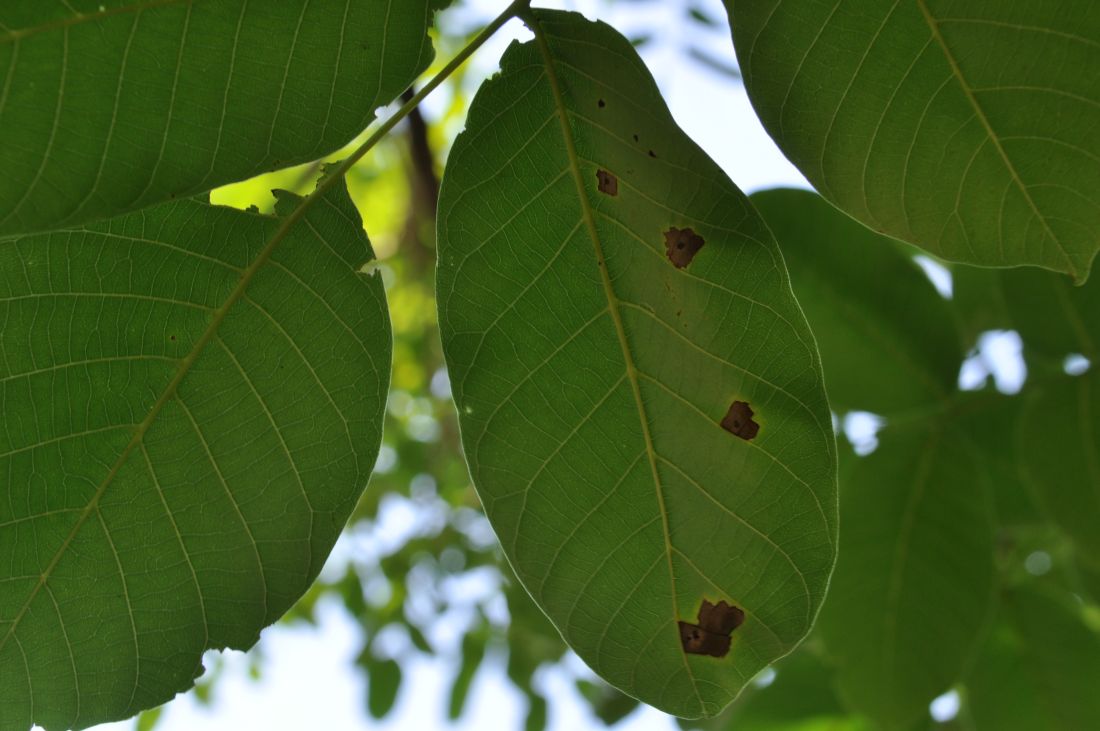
x,y
107,106
640,397
178,461
969,129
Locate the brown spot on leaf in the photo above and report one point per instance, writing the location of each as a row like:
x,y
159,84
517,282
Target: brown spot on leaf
x,y
608,183
738,421
652,153
681,245
711,636
635,136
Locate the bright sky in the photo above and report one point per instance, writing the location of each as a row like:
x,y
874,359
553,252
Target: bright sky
x,y
309,680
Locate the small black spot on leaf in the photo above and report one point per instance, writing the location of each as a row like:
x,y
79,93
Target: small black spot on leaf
x,y
608,183
652,153
738,421
681,245
602,103
711,636
635,136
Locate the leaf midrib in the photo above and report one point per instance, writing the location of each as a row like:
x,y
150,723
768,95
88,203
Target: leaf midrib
x,y
613,303
968,92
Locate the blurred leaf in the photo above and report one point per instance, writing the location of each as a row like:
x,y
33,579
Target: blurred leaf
x,y
798,697
701,16
473,651
1054,317
713,62
989,421
1039,669
591,374
147,720
384,681
180,457
914,584
968,129
536,713
1059,438
886,336
112,106
609,704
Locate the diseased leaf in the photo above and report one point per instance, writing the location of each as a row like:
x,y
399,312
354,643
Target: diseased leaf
x,y
593,362
914,584
1040,668
178,462
969,129
107,106
887,338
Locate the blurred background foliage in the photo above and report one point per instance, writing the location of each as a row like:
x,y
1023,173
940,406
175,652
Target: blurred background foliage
x,y
419,569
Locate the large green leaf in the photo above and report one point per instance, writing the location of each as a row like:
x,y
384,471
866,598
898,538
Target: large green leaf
x,y
592,374
110,106
914,583
1039,669
887,338
970,129
178,460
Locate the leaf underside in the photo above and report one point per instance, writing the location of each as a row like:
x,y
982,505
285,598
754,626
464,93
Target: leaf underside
x,y
107,107
607,296
969,129
145,522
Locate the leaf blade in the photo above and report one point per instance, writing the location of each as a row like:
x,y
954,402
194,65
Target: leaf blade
x,y
123,105
104,515
554,285
911,119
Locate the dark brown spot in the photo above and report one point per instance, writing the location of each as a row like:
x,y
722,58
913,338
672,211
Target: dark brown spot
x,y
738,421
602,103
172,338
681,245
652,153
711,636
608,183
635,136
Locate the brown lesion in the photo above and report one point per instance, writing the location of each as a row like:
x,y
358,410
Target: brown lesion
x,y
607,183
738,421
711,636
681,245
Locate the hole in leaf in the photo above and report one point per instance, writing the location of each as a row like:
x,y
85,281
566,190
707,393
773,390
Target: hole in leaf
x,y
711,636
681,245
738,421
608,183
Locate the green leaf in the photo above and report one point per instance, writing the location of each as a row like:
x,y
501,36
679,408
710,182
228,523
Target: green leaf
x,y
969,129
108,106
384,680
1039,669
591,374
187,424
914,584
473,652
1053,317
800,696
1059,438
887,338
